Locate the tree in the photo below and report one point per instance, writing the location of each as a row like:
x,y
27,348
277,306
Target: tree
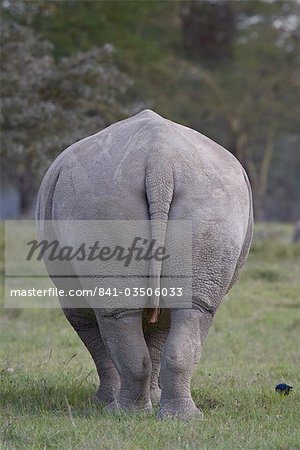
x,y
47,105
252,100
208,29
27,68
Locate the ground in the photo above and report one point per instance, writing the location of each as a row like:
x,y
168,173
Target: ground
x,y
48,379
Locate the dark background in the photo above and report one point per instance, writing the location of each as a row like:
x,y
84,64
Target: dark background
x,y
229,69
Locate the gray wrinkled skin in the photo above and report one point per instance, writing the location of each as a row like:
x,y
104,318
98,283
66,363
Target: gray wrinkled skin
x,y
149,167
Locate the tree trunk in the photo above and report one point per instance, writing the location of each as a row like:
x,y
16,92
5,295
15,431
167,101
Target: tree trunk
x,y
208,29
259,205
26,190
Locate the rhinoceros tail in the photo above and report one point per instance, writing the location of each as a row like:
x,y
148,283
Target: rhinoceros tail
x,y
159,182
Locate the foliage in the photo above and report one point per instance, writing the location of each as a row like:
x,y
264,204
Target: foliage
x,y
47,105
208,29
245,97
247,105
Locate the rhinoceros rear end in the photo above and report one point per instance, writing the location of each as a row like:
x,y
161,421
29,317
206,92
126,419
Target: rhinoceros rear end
x,y
147,168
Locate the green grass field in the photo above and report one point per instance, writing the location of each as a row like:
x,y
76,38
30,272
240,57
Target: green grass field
x,y
47,376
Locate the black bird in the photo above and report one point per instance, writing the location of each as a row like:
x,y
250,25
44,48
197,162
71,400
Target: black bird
x,y
283,388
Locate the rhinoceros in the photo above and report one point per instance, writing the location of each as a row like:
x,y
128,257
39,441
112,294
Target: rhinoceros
x,y
149,168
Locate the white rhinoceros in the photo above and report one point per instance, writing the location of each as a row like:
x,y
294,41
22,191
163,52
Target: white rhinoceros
x,y
147,167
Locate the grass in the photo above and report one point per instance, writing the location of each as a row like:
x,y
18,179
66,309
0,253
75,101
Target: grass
x,y
47,377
